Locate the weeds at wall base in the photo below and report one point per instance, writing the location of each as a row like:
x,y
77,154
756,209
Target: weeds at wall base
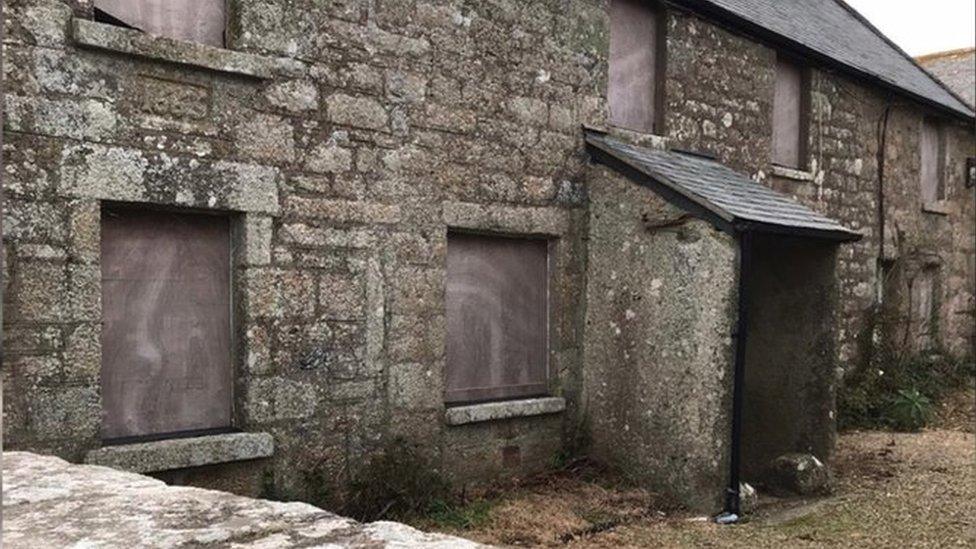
x,y
896,388
397,483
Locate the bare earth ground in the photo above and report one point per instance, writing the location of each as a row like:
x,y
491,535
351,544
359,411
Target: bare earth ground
x,y
893,490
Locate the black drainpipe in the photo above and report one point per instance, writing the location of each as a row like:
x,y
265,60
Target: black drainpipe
x,y
732,511
882,145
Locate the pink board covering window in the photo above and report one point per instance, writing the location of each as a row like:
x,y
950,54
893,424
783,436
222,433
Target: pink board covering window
x,y
497,318
201,21
789,132
166,324
931,152
634,65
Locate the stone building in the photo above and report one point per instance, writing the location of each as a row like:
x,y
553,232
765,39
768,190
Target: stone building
x,y
251,242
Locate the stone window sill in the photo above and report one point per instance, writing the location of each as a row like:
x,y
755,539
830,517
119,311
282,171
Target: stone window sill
x,y
638,138
493,411
181,453
791,173
939,207
100,36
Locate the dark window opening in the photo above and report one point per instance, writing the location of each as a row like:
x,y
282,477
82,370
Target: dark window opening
x,y
202,21
636,72
791,298
932,161
790,107
497,318
924,294
101,16
196,433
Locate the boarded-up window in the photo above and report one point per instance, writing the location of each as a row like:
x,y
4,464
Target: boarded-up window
x,y
923,307
932,151
635,62
497,318
166,332
789,116
200,21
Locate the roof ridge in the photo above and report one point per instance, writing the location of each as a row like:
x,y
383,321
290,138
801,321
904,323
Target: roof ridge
x,y
864,21
945,53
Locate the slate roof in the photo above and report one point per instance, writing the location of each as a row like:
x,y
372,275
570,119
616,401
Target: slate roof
x,y
705,187
836,31
956,69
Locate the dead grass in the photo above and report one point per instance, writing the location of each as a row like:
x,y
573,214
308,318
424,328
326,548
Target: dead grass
x,y
554,509
957,411
893,490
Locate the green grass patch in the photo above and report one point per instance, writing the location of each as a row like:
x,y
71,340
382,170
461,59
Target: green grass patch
x,y
447,515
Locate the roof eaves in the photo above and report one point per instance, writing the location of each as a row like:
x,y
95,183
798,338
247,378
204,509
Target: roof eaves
x,y
769,228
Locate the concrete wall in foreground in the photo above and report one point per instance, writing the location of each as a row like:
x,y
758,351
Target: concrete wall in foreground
x,y
661,307
49,502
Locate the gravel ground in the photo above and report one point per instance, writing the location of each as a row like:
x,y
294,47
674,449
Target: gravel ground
x,y
893,490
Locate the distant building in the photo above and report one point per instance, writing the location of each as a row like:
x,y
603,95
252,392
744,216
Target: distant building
x,y
956,68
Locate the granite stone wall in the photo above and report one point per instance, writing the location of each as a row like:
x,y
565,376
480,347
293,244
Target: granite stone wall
x,y
344,139
718,99
661,310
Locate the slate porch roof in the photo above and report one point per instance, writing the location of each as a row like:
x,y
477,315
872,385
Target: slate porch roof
x,y
833,31
715,192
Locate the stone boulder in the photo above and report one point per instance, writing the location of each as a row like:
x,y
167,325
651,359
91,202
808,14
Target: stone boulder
x,y
801,474
748,498
48,502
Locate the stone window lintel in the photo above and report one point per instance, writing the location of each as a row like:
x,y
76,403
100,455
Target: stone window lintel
x,y
514,220
182,453
101,36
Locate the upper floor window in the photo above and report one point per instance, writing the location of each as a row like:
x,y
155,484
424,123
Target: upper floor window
x,y
932,161
497,318
636,54
200,21
790,115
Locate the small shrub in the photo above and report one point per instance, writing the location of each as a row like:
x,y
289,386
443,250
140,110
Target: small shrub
x,y
561,459
892,391
319,490
910,410
396,483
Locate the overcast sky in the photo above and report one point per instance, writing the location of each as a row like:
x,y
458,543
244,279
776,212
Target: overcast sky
x,y
923,26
